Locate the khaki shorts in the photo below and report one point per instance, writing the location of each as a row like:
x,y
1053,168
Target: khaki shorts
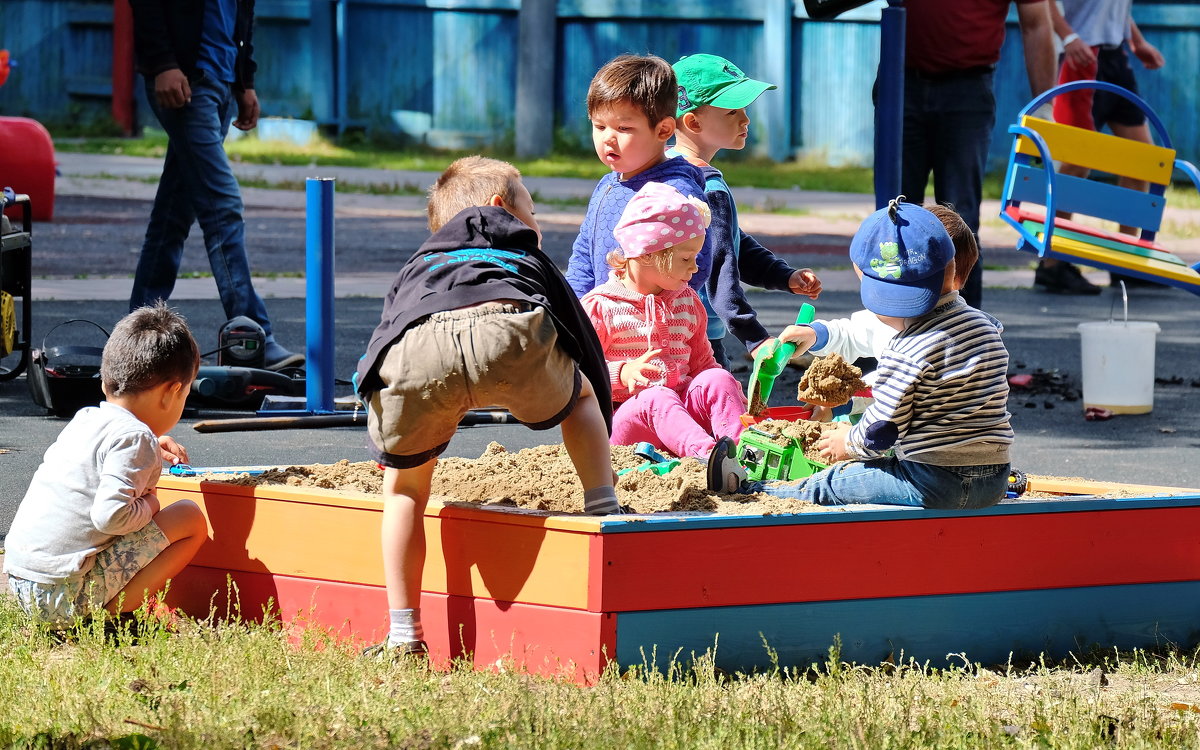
x,y
115,566
496,354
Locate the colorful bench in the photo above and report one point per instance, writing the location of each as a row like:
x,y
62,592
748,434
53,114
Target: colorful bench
x,y
1032,178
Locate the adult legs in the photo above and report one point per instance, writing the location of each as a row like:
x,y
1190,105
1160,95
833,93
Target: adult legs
x,y
199,184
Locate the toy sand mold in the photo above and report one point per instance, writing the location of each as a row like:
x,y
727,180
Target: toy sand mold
x,y
558,592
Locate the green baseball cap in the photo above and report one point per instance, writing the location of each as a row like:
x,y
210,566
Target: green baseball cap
x,y
709,79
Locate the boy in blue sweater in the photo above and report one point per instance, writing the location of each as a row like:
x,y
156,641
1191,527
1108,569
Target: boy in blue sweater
x,y
631,103
711,115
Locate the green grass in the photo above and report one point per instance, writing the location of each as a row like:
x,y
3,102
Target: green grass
x,y
246,685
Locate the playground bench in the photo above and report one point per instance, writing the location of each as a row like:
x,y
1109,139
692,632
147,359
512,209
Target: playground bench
x,y
1033,179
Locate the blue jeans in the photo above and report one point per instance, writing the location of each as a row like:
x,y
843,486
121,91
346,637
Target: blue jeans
x,y
890,481
947,130
198,184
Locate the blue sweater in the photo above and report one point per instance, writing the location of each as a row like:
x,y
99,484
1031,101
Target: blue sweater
x,y
588,267
736,256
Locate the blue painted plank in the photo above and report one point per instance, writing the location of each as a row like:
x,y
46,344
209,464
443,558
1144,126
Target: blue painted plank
x,y
752,10
1089,197
986,628
851,514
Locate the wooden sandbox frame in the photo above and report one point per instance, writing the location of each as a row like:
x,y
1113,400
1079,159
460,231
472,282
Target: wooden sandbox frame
x,y
555,594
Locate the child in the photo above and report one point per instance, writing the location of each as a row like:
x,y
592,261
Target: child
x,y
89,535
670,390
865,334
478,316
710,115
631,103
941,390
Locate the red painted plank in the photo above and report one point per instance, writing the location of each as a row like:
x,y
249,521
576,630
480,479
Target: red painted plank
x,y
550,641
909,557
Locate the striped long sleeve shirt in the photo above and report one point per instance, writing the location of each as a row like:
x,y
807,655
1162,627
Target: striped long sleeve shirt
x,y
941,395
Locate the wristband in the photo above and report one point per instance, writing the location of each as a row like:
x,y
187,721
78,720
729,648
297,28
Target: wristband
x,y
1069,38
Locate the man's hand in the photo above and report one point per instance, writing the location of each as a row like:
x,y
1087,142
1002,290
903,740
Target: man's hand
x,y
805,282
637,373
248,110
1148,54
171,89
1080,55
171,451
832,443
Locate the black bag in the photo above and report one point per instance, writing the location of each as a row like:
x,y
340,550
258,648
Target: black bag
x,y
64,379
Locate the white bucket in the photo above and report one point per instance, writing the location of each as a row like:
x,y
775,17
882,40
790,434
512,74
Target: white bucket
x,y
1118,365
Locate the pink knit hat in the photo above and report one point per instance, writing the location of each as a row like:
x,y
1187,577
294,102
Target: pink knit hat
x,y
659,217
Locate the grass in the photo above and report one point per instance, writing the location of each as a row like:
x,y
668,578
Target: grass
x,y
249,685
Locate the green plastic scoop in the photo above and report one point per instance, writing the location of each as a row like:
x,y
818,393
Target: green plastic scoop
x,y
769,361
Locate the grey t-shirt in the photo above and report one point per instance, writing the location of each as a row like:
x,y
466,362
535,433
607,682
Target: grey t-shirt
x,y
96,482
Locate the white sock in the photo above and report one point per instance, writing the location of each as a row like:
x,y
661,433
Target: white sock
x,y
405,626
600,501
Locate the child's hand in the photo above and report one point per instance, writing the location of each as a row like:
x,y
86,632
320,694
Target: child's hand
x,y
802,336
637,373
171,451
832,444
805,282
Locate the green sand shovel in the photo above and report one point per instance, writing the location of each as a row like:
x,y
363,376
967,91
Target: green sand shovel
x,y
770,360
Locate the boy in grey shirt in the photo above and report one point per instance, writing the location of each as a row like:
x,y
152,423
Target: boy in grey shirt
x,y
89,534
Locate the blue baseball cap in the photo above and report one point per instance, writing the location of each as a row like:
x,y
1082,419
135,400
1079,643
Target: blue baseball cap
x,y
902,251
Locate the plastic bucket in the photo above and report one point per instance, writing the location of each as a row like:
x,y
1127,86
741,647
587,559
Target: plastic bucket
x,y
789,413
1118,365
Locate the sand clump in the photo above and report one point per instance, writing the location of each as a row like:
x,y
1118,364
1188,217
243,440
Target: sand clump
x,y
830,381
804,432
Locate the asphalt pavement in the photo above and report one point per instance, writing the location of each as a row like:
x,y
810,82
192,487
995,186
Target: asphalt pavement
x,y
83,260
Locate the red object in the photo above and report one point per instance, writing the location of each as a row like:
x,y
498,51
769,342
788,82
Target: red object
x,y
122,66
951,35
789,413
27,164
1020,381
1097,414
5,67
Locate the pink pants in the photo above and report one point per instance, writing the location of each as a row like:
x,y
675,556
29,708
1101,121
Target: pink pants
x,y
688,423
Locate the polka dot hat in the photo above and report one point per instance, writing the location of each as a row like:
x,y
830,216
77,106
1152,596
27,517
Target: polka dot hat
x,y
659,217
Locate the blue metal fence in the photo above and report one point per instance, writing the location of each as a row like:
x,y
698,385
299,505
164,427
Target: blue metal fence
x,y
445,70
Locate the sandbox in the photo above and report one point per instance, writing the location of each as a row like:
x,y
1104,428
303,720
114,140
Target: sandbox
x,y
555,593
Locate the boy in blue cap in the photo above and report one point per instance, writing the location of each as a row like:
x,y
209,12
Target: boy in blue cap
x,y
711,115
938,434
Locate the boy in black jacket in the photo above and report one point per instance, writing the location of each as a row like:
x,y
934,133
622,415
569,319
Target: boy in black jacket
x,y
478,316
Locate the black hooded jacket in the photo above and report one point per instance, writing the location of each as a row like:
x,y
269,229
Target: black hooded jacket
x,y
166,35
481,255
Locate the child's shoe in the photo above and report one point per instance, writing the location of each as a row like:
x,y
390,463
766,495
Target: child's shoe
x,y
385,651
725,474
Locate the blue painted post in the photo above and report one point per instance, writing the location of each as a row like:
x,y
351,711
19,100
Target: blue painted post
x,y
776,62
318,306
889,105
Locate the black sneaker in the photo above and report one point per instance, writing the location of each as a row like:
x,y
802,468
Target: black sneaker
x,y
1062,278
1115,279
725,474
384,651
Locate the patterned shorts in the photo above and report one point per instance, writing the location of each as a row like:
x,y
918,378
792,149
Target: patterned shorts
x,y
115,566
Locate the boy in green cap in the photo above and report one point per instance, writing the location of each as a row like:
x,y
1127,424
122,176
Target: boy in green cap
x,y
710,116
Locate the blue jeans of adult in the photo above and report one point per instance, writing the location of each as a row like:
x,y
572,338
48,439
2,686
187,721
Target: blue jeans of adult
x,y
197,184
948,122
890,481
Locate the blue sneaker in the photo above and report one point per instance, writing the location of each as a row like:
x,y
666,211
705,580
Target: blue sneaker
x,y
275,357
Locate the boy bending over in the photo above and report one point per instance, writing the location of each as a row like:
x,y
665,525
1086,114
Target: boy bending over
x,y
89,535
478,316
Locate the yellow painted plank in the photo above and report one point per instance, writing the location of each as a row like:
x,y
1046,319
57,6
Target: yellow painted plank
x,y
1101,151
1068,486
470,552
1085,253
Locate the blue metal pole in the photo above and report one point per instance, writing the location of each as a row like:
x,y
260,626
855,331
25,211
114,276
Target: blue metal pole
x,y
318,306
889,103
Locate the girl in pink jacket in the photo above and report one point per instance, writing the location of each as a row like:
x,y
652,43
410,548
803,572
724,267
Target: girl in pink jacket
x,y
668,388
